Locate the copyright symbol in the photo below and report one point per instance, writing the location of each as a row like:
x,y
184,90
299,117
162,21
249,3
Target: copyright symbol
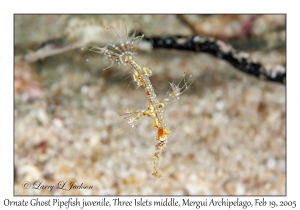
x,y
26,185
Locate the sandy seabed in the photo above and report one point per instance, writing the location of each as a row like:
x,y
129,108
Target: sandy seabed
x,y
228,129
